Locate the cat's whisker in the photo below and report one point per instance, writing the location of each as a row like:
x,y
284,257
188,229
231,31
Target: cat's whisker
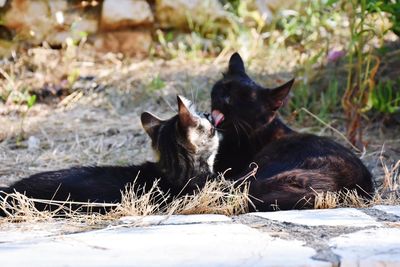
x,y
237,132
193,98
197,93
243,127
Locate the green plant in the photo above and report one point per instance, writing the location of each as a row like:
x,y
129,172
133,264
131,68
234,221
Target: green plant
x,y
384,99
156,84
73,76
329,100
320,101
362,68
30,102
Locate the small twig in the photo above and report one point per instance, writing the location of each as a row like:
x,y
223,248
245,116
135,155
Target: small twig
x,y
332,128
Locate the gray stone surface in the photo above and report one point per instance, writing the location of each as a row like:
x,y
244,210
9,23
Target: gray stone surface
x,y
372,247
395,210
176,219
337,237
221,244
329,217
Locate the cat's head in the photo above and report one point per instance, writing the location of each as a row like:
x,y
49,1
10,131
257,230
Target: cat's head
x,y
237,102
187,135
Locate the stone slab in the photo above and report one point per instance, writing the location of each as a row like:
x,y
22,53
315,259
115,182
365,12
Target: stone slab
x,y
221,244
175,219
372,247
323,217
27,232
395,210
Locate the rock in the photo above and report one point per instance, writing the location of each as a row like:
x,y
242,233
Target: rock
x,y
175,219
57,38
81,28
125,13
30,19
194,243
395,210
371,247
328,217
58,6
130,43
74,25
49,21
175,13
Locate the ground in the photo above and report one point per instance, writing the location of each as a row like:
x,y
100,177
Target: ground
x,y
96,121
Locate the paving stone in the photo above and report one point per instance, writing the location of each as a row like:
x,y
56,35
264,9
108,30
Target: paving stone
x,y
17,232
218,244
395,210
372,247
328,217
176,219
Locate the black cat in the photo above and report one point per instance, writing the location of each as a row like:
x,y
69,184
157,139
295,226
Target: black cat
x,y
292,166
185,144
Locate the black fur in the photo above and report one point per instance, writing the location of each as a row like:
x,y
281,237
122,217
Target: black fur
x,y
176,167
292,166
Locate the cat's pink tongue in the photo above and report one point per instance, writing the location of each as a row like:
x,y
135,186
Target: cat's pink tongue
x,y
217,116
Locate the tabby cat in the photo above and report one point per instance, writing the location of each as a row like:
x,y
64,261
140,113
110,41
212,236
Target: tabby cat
x,y
185,144
292,166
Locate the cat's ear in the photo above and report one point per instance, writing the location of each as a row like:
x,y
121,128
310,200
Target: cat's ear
x,y
276,97
236,65
150,123
187,117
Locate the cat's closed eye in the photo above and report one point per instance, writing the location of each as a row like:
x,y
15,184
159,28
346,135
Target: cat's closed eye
x,y
227,99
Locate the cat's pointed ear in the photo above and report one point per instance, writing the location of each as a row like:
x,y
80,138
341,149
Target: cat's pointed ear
x,y
276,97
187,117
236,65
150,123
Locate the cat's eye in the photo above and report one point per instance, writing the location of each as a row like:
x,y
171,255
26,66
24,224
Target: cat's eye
x,y
227,99
207,116
212,131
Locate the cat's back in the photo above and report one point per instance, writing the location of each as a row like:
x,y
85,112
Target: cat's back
x,y
97,183
298,147
321,155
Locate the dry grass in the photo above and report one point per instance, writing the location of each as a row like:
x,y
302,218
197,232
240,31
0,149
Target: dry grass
x,y
218,196
386,194
140,202
345,198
